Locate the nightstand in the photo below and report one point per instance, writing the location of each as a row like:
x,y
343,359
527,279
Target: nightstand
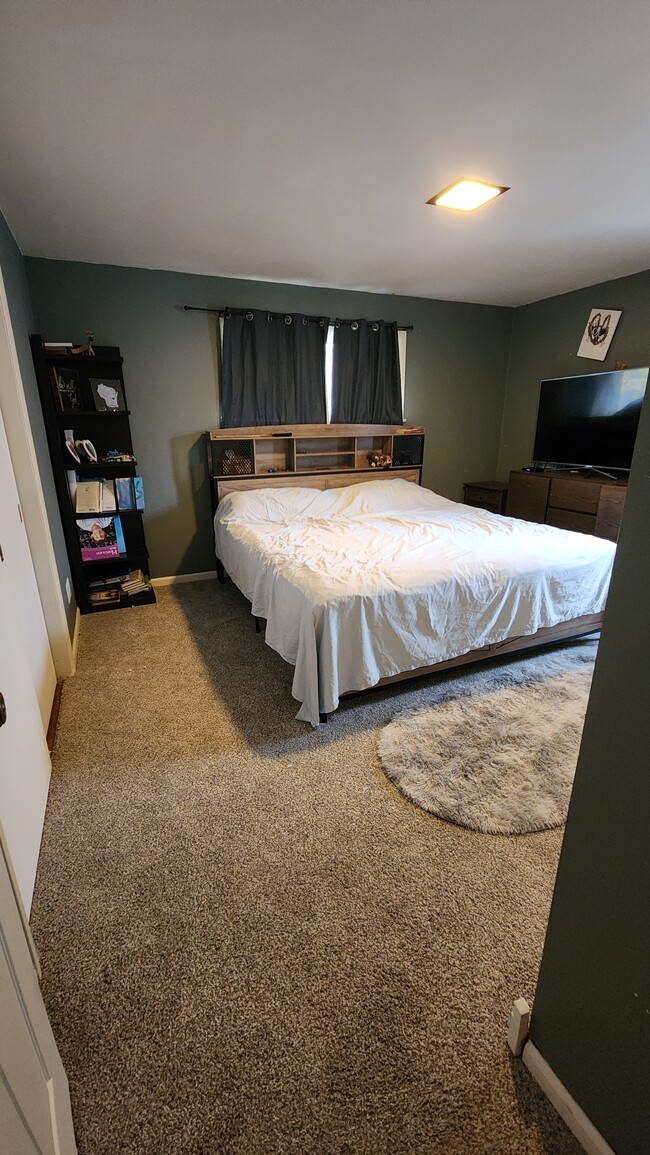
x,y
490,495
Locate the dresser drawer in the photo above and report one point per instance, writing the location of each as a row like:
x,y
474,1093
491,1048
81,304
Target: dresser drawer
x,y
570,519
527,496
610,511
578,494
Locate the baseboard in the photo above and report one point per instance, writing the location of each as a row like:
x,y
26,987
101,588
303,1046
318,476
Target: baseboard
x,y
565,1105
206,575
54,716
75,639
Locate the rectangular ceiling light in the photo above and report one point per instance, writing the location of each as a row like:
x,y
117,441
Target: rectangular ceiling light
x,y
466,195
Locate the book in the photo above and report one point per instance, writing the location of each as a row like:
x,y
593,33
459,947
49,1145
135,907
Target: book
x,y
108,395
138,492
129,492
95,495
99,596
88,497
124,492
100,538
71,478
57,346
108,496
135,582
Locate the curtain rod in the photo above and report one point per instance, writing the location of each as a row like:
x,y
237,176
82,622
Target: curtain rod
x,y
220,313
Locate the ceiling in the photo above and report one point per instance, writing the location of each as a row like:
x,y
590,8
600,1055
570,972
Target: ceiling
x,y
299,140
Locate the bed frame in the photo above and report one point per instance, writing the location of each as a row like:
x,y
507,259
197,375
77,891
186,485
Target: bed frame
x,y
574,628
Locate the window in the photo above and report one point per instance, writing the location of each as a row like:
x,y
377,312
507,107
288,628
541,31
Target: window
x,y
329,353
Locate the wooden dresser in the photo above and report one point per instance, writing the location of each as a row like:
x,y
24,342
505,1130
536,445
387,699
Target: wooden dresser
x,y
490,495
586,504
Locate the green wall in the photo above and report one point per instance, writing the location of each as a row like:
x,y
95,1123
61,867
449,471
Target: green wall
x,y
591,1016
456,367
22,324
545,338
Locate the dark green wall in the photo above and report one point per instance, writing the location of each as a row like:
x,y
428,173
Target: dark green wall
x,y
545,338
456,366
591,1017
20,312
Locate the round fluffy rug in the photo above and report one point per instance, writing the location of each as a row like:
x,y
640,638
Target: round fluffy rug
x,y
495,750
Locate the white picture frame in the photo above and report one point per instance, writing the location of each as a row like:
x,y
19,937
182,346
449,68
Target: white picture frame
x,y
599,330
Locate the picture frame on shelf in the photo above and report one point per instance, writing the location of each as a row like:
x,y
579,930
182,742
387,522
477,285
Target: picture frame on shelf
x,y
108,395
67,388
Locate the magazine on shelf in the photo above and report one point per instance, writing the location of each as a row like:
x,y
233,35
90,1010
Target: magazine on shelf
x,y
108,496
99,597
124,492
138,492
135,582
107,395
129,492
100,538
88,496
94,495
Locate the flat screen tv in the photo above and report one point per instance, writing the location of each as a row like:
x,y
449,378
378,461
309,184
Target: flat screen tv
x,y
590,422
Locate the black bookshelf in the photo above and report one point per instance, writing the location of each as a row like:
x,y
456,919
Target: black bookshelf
x,y
86,395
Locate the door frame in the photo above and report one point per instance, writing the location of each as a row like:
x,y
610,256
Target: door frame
x,y
30,491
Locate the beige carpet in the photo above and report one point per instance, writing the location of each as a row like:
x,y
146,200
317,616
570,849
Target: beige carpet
x,y
251,943
496,749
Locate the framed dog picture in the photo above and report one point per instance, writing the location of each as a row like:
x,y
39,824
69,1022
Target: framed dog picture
x,y
598,333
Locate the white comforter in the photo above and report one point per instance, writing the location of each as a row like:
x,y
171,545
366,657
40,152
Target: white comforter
x,y
363,582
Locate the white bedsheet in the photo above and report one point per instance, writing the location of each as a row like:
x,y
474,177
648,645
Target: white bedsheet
x,y
363,582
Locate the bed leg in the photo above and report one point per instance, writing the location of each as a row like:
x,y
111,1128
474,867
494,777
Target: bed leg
x,y
221,573
258,625
322,717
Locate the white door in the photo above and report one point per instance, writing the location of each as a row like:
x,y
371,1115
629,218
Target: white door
x,y
25,602
24,757
35,1116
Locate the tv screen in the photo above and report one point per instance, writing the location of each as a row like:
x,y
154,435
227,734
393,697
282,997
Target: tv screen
x,y
590,420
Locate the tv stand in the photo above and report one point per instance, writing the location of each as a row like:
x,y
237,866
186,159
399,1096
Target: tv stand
x,y
567,500
590,470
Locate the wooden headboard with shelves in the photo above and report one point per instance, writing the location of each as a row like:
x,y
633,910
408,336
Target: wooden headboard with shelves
x,y
319,456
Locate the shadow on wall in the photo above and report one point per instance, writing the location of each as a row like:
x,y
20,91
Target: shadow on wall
x,y
176,546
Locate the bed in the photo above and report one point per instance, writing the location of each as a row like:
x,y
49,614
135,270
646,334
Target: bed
x,y
382,580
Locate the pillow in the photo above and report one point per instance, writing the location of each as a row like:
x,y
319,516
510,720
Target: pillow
x,y
385,495
281,504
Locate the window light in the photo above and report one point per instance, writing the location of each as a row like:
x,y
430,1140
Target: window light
x,y
466,195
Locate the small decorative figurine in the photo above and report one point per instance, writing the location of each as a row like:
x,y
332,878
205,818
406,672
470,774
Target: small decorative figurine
x,y
380,460
85,350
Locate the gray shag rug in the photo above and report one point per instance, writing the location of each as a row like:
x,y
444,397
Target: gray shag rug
x,y
496,751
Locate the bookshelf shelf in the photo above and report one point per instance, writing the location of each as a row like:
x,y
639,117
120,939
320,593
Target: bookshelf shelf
x,y
86,395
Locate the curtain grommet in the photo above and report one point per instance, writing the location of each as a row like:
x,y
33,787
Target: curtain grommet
x,y
375,327
354,326
249,316
287,319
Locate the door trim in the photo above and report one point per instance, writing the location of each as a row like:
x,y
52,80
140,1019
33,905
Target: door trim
x,y
30,491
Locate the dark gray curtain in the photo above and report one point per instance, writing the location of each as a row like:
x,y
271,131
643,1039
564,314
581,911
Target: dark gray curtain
x,y
273,368
366,385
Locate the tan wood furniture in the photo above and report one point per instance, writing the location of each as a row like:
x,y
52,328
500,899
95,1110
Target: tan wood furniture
x,y
584,504
297,454
365,440
490,495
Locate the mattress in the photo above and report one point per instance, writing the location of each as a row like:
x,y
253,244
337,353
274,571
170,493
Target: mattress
x,y
375,579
